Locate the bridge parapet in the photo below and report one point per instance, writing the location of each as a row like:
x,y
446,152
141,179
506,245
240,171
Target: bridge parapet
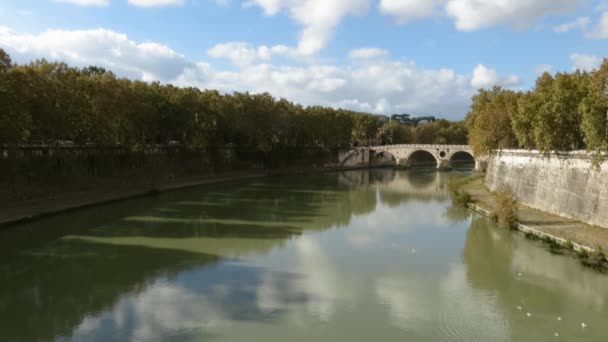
x,y
421,146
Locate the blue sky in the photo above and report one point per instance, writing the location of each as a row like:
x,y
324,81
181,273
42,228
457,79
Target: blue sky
x,y
383,56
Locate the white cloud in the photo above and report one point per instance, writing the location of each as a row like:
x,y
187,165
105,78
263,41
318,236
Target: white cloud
x,y
579,24
378,85
156,3
543,68
407,10
471,15
585,62
483,77
601,31
318,17
99,3
243,53
368,53
101,47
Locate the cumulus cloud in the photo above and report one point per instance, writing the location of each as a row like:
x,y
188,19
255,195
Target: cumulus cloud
x,y
318,17
585,62
368,53
379,85
483,77
155,3
579,24
115,51
99,3
243,53
407,10
601,31
471,15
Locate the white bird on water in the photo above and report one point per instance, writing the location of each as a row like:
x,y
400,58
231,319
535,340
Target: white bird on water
x,y
528,314
583,325
559,318
556,335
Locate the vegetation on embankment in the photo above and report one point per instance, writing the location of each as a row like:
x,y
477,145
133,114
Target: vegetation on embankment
x,y
559,235
563,112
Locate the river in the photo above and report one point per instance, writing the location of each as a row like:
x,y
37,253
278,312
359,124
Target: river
x,y
377,255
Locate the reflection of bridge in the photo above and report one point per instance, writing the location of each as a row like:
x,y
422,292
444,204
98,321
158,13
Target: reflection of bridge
x,y
405,185
443,156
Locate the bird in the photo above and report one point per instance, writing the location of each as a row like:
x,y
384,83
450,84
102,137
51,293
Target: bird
x,y
583,325
528,314
559,318
556,334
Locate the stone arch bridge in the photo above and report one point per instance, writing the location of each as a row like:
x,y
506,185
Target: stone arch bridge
x,y
407,155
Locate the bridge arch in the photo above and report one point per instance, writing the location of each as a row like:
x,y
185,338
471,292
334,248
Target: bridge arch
x,y
422,157
461,156
385,158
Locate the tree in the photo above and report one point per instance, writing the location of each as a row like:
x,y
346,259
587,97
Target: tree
x,y
489,121
395,133
594,109
5,62
557,126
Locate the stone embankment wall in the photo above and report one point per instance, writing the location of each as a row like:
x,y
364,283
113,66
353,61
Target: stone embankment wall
x,y
562,184
356,158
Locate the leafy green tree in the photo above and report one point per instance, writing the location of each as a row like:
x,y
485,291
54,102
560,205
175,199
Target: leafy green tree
x,y
395,133
558,123
594,109
489,121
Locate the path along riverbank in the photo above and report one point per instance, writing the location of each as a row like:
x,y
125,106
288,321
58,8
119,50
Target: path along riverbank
x,y
24,211
560,234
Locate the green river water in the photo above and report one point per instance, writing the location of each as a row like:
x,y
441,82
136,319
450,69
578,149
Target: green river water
x,y
377,255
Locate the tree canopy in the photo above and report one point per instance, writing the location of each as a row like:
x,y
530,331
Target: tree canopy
x,y
563,112
45,102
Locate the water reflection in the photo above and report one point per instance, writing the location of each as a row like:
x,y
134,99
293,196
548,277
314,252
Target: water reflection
x,y
379,254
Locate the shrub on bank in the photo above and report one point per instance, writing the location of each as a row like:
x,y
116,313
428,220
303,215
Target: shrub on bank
x,y
459,195
506,206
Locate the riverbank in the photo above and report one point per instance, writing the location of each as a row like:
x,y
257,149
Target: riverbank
x,y
25,211
558,233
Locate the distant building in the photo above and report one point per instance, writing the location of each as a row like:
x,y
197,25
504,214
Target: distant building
x,y
407,119
383,119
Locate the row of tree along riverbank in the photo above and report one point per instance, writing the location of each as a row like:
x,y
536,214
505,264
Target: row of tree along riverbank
x,y
564,112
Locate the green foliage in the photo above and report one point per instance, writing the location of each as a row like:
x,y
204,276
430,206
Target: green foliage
x,y
594,109
457,191
439,132
489,120
393,133
564,112
506,206
45,102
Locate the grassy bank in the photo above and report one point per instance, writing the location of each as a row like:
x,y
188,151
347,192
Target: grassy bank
x,y
558,235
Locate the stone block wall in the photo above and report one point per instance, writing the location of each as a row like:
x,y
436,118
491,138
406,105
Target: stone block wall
x,y
562,184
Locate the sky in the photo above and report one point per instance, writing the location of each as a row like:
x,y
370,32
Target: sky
x,y
422,57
